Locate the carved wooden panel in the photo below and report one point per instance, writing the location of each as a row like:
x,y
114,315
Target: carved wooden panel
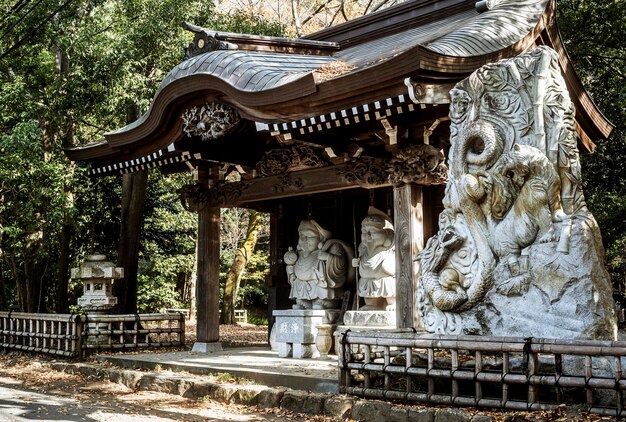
x,y
209,121
294,158
408,219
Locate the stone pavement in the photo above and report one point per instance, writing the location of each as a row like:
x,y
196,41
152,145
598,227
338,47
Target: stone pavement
x,y
257,363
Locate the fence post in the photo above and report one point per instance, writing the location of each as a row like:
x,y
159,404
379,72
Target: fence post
x,y
181,324
79,328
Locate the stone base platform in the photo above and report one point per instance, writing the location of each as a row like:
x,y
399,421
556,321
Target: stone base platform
x,y
296,330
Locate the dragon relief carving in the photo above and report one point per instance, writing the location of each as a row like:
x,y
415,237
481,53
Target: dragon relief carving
x,y
514,181
293,158
209,121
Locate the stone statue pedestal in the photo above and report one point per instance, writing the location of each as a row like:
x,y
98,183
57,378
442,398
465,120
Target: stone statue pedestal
x,y
296,330
370,318
365,321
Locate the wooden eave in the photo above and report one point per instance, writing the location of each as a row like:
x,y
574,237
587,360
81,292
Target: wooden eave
x,y
307,95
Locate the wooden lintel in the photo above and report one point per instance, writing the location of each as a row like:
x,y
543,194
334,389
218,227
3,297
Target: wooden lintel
x,y
304,182
361,171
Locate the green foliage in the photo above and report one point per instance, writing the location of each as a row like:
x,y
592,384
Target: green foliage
x,y
67,76
595,37
32,204
242,22
252,291
257,318
168,252
155,294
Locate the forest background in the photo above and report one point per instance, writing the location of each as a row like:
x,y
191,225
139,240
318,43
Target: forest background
x,y
72,70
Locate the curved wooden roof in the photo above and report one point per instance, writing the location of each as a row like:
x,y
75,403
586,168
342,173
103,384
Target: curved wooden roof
x,y
274,81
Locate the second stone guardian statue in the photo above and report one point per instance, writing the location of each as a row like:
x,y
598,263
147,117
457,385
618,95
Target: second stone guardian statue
x,y
377,263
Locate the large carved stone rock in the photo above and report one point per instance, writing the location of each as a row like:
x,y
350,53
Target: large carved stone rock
x,y
517,252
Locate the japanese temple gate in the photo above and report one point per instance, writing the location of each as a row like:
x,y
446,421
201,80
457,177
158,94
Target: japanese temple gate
x,y
324,126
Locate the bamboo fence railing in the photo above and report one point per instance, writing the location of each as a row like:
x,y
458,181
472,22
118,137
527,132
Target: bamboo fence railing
x,y
72,335
508,373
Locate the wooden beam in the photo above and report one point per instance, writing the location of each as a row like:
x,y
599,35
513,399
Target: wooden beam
x,y
305,182
409,232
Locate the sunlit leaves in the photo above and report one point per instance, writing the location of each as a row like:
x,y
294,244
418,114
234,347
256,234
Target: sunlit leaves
x,y
595,38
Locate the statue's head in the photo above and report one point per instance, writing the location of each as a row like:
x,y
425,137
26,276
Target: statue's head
x,y
311,236
376,230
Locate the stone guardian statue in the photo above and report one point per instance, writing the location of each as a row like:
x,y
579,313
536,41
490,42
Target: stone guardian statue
x,y
318,270
377,263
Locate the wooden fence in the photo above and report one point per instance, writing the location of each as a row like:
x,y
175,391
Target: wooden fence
x,y
508,373
72,335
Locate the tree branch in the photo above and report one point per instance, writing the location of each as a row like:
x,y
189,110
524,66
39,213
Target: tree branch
x,y
316,11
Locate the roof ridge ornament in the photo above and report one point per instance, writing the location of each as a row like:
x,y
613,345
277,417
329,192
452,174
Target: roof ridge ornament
x,y
204,41
485,5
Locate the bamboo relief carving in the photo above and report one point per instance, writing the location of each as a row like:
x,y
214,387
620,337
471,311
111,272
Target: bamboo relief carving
x,y
516,242
404,252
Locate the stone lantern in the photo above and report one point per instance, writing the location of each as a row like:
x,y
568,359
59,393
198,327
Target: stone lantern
x,y
97,274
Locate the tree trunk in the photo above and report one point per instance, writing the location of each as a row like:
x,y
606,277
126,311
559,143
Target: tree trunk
x,y
192,287
34,271
233,278
61,304
66,133
133,199
295,13
3,300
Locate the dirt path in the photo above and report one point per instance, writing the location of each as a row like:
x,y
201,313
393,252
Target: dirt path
x,y
29,390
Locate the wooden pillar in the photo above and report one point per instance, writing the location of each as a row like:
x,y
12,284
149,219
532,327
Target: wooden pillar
x,y
208,281
409,229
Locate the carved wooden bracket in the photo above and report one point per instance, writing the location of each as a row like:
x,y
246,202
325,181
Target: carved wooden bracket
x,y
296,157
196,197
209,121
418,164
366,172
288,183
